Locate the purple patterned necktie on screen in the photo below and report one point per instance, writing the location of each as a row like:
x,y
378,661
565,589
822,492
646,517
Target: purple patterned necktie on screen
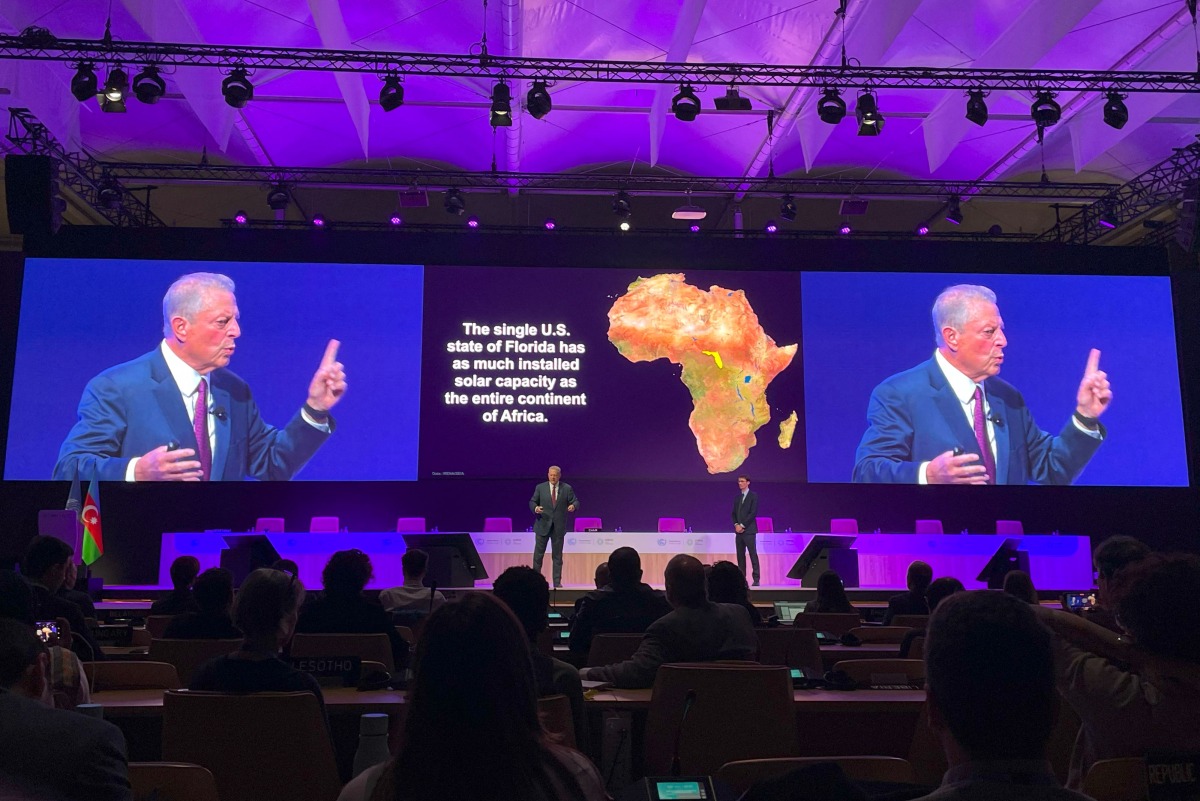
x,y
554,495
200,426
981,437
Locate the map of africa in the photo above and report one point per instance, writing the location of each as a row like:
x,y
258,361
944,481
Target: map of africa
x,y
727,358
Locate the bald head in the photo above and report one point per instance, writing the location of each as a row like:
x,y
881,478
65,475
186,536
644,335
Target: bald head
x,y
685,581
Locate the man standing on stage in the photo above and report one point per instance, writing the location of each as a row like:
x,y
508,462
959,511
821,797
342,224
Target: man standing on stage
x,y
745,525
551,501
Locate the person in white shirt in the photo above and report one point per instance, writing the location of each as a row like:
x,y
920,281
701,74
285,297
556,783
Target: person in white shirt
x,y
413,595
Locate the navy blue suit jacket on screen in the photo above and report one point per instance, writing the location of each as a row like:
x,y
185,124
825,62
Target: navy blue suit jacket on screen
x,y
135,407
914,417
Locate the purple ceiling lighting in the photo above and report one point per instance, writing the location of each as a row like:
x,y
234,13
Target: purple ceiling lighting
x,y
396,219
240,218
695,229
549,225
922,230
318,221
472,222
845,230
771,227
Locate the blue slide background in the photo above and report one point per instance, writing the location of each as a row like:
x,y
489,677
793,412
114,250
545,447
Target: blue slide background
x,y
860,328
79,317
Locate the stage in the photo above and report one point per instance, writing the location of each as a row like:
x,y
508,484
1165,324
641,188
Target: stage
x,y
1056,563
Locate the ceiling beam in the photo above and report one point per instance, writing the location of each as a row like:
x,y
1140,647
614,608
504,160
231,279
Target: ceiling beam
x,y
331,27
682,37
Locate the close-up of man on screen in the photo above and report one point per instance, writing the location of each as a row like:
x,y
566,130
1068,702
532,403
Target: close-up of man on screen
x,y
950,420
177,414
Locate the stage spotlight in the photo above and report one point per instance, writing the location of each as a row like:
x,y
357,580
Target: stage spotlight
x,y
395,219
922,230
1108,215
624,225
84,83
240,218
501,114
732,101
1044,110
622,206
685,105
695,229
549,224
110,193
954,211
1115,112
148,85
996,230
454,203
831,108
771,227
977,110
278,197
318,220
237,89
472,221
391,96
116,91
787,208
537,100
845,229
870,120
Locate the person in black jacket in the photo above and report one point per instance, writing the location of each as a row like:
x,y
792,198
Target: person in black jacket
x,y
213,591
912,602
179,600
45,568
626,606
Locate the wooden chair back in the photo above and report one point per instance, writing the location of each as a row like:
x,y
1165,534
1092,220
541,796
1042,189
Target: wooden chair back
x,y
717,728
837,623
555,714
187,655
373,647
911,621
880,634
790,646
171,781
257,745
873,672
157,625
740,775
608,649
113,675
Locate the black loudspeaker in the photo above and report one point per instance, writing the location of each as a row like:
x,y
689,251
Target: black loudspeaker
x,y
31,191
1188,232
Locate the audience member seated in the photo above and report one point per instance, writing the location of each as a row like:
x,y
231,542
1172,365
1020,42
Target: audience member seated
x,y
727,585
913,602
1141,691
213,591
68,592
48,753
68,685
602,579
831,595
179,600
991,699
696,630
939,590
471,727
628,606
266,609
1110,557
527,594
1019,584
344,610
45,568
412,595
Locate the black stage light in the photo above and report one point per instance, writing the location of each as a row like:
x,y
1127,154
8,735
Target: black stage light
x,y
110,193
1115,112
391,96
237,89
870,120
622,206
1044,110
278,197
732,101
977,110
148,85
501,115
537,100
454,203
831,108
787,208
116,91
685,105
84,83
954,211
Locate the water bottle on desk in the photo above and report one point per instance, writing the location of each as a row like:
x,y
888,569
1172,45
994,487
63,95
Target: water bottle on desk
x,y
372,742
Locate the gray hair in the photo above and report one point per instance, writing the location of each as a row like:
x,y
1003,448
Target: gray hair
x,y
555,468
953,307
185,297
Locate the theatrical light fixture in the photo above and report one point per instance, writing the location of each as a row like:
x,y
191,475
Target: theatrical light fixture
x,y
318,220
831,108
391,96
787,208
278,197
1115,112
1108,216
549,224
694,228
977,110
771,227
870,121
689,210
472,222
624,225
240,218
454,203
622,206
237,89
84,83
110,193
501,114
116,90
1044,110
396,219
845,229
148,85
537,100
685,105
922,230
954,211
732,101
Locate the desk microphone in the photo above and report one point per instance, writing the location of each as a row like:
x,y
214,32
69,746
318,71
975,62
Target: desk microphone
x,y
432,592
688,700
996,420
218,412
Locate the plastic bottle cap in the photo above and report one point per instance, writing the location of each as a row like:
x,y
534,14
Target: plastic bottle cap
x,y
372,723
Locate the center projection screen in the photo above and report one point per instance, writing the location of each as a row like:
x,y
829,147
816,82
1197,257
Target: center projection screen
x,y
633,374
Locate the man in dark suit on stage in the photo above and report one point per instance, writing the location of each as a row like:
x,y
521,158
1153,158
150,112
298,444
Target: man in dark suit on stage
x,y
745,525
950,420
551,502
131,415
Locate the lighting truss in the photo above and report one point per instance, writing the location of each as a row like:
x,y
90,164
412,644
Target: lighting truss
x,y
497,67
82,174
1158,186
